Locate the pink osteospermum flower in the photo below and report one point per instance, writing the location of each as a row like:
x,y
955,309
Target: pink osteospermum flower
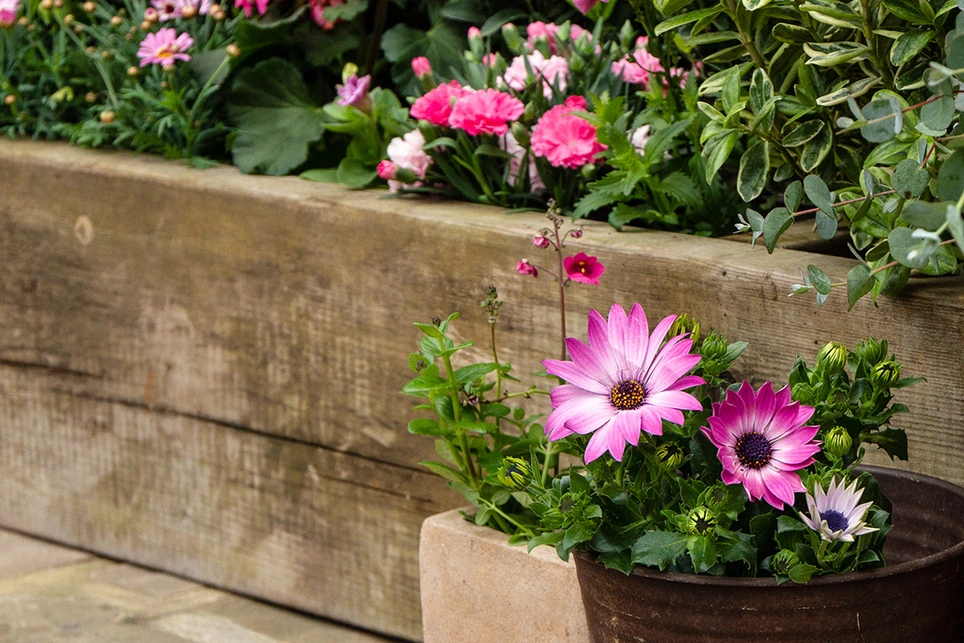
x,y
164,48
565,139
762,440
583,268
621,383
487,111
835,514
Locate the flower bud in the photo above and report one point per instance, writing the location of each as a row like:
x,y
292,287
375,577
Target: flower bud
x,y
476,44
107,117
526,268
885,374
232,50
588,170
133,71
803,393
564,32
69,18
714,346
107,54
514,473
540,242
116,21
46,5
91,50
151,15
626,35
832,357
871,351
784,560
145,25
188,11
421,67
669,455
89,6
90,97
512,38
685,324
577,63
584,44
386,170
838,442
521,134
576,233
700,521
9,99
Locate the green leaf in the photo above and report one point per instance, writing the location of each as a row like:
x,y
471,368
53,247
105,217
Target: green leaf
x,y
702,553
816,150
578,533
754,167
885,119
831,54
792,196
717,150
938,115
826,225
446,472
803,134
794,34
907,249
922,214
893,441
907,10
802,573
819,194
499,18
659,548
943,262
909,180
327,175
346,11
473,372
425,426
859,283
551,538
909,45
956,226
355,174
684,19
950,178
776,223
761,90
276,121
624,214
821,282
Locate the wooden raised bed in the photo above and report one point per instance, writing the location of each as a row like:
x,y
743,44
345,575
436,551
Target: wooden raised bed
x,y
205,378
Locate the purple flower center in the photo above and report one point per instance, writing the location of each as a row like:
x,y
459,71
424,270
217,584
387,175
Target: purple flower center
x,y
836,521
753,450
627,395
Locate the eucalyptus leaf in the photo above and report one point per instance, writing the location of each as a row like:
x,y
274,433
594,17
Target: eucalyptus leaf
x,y
906,249
818,193
884,118
775,224
859,282
950,178
909,179
819,279
922,214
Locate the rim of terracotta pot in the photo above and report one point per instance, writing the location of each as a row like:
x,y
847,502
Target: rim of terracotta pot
x,y
830,579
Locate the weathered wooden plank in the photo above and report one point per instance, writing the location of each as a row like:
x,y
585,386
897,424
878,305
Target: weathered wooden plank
x,y
290,522
68,596
283,306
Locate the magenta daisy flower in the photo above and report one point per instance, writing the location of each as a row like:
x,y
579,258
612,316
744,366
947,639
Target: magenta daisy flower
x,y
835,514
164,48
762,441
622,382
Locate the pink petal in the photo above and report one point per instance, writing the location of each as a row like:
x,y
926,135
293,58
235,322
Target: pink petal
x,y
675,400
599,341
605,439
587,360
574,375
651,422
628,423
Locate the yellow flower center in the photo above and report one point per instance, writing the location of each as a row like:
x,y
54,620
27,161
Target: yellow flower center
x,y
627,395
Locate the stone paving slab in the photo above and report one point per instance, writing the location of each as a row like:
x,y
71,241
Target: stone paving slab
x,y
52,594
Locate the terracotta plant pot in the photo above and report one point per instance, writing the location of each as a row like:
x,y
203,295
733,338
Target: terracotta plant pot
x,y
918,596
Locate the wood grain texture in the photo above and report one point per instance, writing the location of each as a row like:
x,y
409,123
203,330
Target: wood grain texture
x,y
293,523
249,324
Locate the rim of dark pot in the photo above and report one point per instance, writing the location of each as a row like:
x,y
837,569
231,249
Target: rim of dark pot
x,y
830,579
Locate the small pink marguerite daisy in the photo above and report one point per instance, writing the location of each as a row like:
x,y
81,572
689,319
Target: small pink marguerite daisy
x,y
835,514
762,440
164,48
622,383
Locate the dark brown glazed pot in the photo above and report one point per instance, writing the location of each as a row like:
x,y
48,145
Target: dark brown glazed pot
x,y
917,597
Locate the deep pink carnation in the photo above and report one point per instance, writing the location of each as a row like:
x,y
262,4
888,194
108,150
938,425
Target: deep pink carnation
x,y
622,383
436,105
583,268
386,170
247,5
487,111
762,440
564,139
585,5
318,12
8,12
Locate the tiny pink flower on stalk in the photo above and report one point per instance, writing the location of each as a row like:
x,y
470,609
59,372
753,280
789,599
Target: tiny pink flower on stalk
x,y
623,382
436,105
762,439
526,268
421,67
563,138
355,92
247,5
584,269
541,241
164,48
318,12
835,514
8,13
487,111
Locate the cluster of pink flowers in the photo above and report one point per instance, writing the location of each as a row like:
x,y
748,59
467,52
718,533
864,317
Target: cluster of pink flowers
x,y
642,67
580,268
486,111
549,32
553,70
8,12
174,9
164,48
407,161
565,139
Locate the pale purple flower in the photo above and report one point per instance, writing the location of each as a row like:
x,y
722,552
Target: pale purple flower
x,y
835,514
622,382
762,440
164,48
354,91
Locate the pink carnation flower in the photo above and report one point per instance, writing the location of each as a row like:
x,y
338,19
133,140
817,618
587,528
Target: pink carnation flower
x,y
421,66
386,170
622,383
487,111
551,70
583,269
762,440
8,12
164,48
436,105
407,153
318,12
564,139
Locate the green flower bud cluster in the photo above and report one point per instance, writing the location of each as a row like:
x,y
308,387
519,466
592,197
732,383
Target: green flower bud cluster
x,y
701,521
784,560
872,351
714,347
832,357
514,473
838,442
669,455
885,374
686,324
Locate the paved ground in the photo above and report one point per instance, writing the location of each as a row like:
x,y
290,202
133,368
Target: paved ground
x,y
51,594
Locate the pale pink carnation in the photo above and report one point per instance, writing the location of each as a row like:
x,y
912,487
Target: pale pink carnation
x,y
564,139
511,145
542,31
164,48
552,70
318,13
8,12
436,105
406,152
487,111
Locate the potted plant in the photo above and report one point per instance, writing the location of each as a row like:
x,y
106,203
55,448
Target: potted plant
x,y
675,484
